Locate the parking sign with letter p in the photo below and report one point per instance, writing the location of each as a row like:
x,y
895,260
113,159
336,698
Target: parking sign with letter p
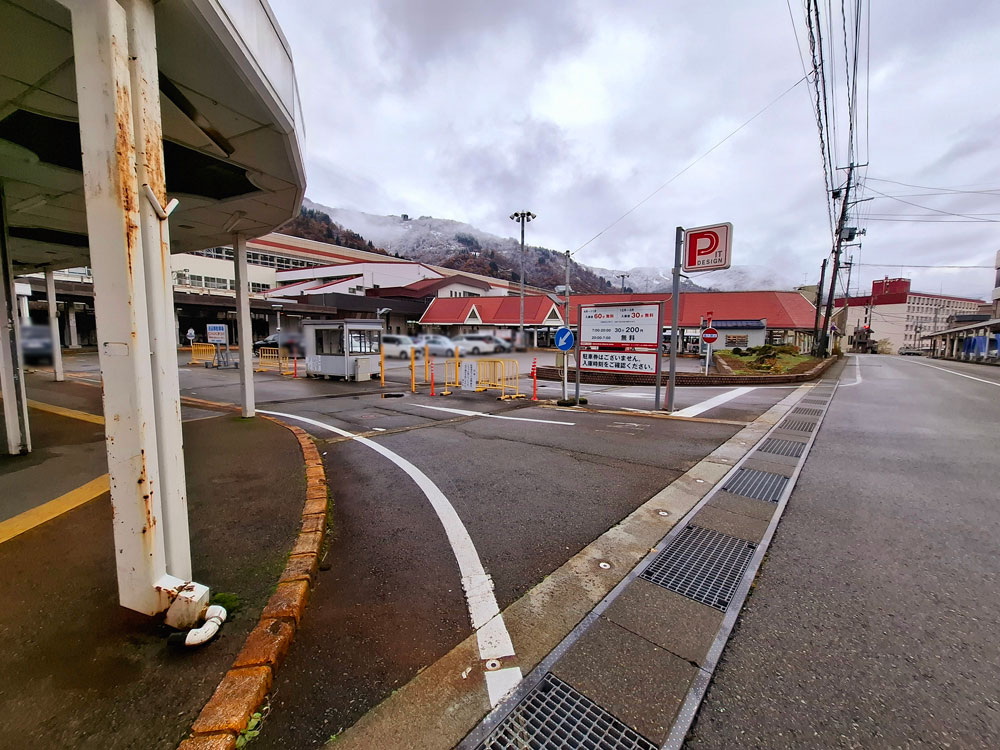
x,y
708,248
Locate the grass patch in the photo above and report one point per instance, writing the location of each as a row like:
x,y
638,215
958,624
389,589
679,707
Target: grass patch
x,y
227,599
767,362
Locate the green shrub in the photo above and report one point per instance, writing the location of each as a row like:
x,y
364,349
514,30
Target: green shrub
x,y
737,352
787,349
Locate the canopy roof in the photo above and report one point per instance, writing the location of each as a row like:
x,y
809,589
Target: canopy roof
x,y
231,126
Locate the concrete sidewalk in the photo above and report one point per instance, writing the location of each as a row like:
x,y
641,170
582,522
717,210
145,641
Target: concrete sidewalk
x,y
80,671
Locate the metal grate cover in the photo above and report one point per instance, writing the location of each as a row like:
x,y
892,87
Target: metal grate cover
x,y
790,448
554,716
760,485
797,425
703,565
805,411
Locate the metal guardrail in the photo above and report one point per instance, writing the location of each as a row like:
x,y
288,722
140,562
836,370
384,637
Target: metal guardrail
x,y
202,353
272,358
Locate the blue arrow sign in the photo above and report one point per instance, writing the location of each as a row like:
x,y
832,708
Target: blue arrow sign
x,y
564,339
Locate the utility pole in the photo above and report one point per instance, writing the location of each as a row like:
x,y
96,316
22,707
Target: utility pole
x,y
819,305
523,217
838,247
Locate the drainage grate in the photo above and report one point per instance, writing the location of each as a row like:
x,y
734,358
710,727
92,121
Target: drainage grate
x,y
703,565
815,401
760,485
804,411
790,448
797,425
554,716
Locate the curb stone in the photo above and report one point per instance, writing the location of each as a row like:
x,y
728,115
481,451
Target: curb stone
x,y
246,685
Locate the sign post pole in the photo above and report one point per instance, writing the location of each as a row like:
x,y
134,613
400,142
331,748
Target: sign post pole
x,y
675,304
579,331
659,358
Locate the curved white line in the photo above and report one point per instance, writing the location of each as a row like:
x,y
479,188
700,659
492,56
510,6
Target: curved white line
x,y
484,612
857,373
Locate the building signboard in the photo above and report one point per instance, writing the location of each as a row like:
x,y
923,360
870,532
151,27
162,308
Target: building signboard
x,y
217,333
621,325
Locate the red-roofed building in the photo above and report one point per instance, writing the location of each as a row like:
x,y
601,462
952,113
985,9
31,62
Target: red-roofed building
x,y
787,316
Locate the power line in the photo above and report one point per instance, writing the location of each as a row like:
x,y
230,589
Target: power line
x,y
910,265
941,221
685,169
926,208
944,190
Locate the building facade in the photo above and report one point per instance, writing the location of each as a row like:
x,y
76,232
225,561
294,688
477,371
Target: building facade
x,y
893,312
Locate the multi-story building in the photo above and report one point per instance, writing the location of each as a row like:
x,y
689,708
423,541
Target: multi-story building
x,y
894,312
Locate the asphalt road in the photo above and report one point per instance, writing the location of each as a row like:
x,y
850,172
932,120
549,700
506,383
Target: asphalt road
x,y
874,621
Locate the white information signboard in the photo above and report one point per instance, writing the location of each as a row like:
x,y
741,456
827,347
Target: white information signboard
x,y
217,333
627,325
618,361
469,376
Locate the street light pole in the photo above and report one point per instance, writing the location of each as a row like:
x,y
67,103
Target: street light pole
x,y
523,217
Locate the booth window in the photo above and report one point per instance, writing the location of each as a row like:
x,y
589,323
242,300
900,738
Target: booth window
x,y
330,341
364,342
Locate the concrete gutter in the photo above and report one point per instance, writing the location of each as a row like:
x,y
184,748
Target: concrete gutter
x,y
442,704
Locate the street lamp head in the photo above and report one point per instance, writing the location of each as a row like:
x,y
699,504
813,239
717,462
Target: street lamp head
x,y
531,216
513,217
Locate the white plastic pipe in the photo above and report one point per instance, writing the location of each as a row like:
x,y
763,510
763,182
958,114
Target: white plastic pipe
x,y
214,617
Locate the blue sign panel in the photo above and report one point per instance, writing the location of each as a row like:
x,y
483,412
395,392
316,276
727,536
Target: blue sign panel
x,y
565,339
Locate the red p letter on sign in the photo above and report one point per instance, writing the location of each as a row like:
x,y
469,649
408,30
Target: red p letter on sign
x,y
708,248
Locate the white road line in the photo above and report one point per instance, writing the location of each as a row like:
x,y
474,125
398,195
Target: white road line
x,y
694,411
468,413
953,372
487,621
857,372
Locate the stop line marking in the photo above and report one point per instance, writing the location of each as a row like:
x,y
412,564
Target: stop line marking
x,y
468,413
484,612
711,403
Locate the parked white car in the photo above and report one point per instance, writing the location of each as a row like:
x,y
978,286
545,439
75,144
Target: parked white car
x,y
482,343
440,346
399,347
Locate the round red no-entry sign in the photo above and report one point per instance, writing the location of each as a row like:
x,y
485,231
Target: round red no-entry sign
x,y
710,335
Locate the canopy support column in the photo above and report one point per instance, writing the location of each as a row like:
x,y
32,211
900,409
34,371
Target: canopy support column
x,y
50,296
243,328
15,401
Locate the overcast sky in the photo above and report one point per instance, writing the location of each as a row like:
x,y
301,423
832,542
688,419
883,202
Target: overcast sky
x,y
469,110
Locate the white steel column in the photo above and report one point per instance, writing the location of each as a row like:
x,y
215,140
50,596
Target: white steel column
x,y
15,401
243,328
155,240
74,337
100,46
50,296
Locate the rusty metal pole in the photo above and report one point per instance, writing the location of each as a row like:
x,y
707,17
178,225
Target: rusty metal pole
x,y
114,223
155,241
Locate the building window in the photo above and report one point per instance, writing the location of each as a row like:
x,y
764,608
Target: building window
x,y
257,287
364,342
736,339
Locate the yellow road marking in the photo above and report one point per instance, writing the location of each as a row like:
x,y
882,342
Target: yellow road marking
x,y
22,522
62,411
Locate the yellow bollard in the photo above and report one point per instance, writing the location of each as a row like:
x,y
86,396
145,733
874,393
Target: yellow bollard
x,y
381,364
413,370
427,360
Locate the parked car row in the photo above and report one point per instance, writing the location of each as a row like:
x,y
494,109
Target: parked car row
x,y
399,346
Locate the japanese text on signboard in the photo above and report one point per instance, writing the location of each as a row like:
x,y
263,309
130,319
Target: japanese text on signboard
x,y
618,361
630,325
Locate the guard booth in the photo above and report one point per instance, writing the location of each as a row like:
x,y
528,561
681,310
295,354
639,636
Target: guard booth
x,y
347,349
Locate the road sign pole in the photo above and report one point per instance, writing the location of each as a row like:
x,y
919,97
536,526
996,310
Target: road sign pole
x,y
659,358
675,303
579,337
708,357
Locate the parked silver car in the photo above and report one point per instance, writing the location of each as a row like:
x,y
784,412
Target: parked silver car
x,y
481,343
440,346
399,346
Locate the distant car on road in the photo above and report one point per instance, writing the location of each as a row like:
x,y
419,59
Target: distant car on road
x,y
36,344
440,346
480,343
281,340
908,351
398,346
